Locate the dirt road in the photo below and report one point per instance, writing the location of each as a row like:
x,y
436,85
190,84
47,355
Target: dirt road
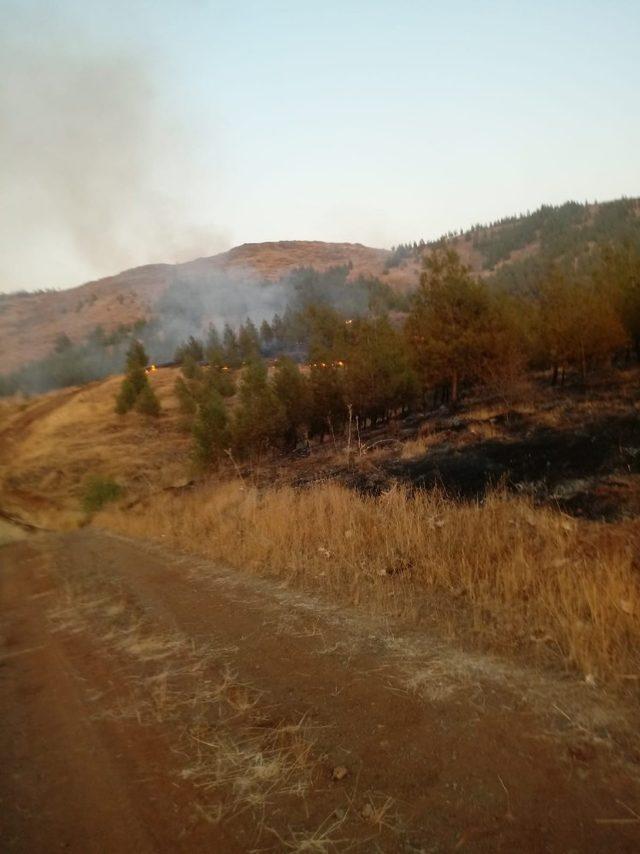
x,y
153,702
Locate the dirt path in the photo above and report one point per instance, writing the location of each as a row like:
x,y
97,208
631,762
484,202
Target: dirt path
x,y
152,702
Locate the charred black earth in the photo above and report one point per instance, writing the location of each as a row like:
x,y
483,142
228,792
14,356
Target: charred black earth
x,y
584,470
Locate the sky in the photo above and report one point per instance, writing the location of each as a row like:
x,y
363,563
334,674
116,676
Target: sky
x,y
138,132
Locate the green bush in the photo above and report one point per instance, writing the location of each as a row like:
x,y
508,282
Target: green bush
x,y
147,402
99,491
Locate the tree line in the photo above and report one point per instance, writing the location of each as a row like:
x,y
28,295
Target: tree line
x,y
459,332
187,307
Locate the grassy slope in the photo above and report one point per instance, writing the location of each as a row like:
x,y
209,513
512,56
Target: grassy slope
x,y
508,573
51,444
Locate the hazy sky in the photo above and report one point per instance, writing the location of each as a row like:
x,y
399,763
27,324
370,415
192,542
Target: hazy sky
x,y
137,131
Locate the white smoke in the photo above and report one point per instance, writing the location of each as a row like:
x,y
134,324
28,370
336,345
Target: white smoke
x,y
95,175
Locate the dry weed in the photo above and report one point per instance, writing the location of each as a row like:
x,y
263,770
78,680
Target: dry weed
x,y
321,841
530,576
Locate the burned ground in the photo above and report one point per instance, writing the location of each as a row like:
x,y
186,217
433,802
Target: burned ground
x,y
577,451
574,448
572,468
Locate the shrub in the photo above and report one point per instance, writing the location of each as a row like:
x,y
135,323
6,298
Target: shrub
x,y
99,491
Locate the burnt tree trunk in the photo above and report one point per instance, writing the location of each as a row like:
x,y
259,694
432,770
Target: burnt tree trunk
x,y
454,387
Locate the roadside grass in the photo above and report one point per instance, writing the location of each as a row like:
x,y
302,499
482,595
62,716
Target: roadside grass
x,y
9,533
523,576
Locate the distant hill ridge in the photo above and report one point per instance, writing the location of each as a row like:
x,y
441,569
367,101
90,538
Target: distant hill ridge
x,y
30,322
510,250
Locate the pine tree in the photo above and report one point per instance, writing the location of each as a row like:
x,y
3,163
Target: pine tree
x,y
135,389
136,356
277,328
248,341
259,420
266,333
578,323
328,407
449,323
231,348
378,374
62,344
214,351
186,400
618,273
126,397
292,390
191,349
220,380
189,367
147,402
210,433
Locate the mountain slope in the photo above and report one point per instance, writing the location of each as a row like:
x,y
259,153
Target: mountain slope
x,y
30,322
514,252
510,248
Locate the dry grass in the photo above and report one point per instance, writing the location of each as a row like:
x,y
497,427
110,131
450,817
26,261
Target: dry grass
x,y
322,840
9,533
418,447
528,576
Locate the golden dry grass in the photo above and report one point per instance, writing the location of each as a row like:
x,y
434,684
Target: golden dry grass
x,y
51,444
528,576
10,533
419,446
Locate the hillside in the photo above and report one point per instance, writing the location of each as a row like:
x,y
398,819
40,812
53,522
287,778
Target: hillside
x,y
562,463
591,439
515,249
45,458
30,322
514,252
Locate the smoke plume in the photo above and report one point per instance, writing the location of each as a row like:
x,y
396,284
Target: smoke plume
x,y
94,173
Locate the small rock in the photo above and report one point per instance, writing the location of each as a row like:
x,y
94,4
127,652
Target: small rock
x,y
367,812
339,772
582,751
